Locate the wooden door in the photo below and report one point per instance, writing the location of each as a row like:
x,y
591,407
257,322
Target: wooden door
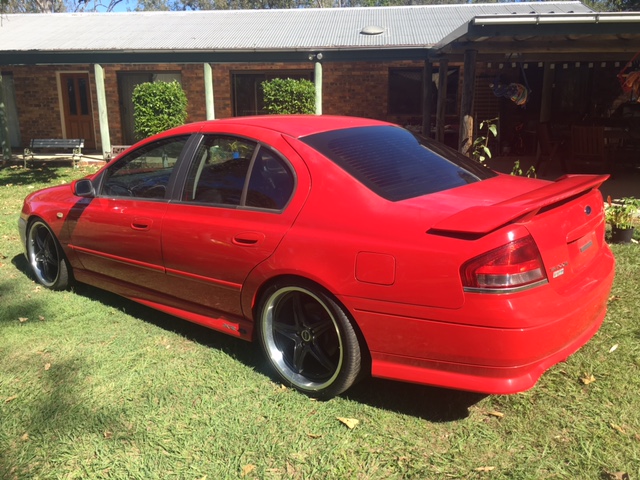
x,y
76,99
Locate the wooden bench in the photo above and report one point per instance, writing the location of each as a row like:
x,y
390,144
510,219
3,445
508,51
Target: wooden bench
x,y
73,144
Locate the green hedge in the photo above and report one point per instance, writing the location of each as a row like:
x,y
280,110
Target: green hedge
x,y
157,107
288,96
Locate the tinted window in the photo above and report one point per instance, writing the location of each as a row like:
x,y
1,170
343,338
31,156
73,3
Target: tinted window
x,y
394,164
219,171
271,182
144,173
233,171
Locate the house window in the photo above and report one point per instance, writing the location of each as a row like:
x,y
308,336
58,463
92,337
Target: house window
x,y
405,90
248,98
127,81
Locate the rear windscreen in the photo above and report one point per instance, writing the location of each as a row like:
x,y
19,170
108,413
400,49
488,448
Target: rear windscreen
x,y
394,163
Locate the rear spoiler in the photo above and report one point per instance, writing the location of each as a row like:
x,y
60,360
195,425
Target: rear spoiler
x,y
480,220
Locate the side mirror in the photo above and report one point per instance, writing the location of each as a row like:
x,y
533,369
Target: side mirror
x,y
84,188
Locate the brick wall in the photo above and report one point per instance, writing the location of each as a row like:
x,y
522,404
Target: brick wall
x,y
37,101
358,89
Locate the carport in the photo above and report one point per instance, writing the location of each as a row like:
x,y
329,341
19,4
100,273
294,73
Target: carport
x,y
550,39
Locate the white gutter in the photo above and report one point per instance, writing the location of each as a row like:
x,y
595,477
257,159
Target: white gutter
x,y
542,19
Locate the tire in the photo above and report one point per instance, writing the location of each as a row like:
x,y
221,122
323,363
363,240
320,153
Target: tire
x,y
46,258
308,339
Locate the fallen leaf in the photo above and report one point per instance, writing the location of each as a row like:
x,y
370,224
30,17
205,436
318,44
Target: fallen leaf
x,y
349,422
10,399
616,475
485,469
587,379
314,435
495,413
24,437
47,366
617,428
247,469
614,348
23,319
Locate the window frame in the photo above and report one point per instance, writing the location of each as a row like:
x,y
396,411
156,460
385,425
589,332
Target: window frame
x,y
179,196
139,152
266,75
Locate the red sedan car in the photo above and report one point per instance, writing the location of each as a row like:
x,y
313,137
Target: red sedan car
x,y
342,245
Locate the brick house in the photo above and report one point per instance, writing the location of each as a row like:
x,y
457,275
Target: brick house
x,y
426,66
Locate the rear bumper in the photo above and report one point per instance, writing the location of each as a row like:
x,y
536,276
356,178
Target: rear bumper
x,y
495,344
475,378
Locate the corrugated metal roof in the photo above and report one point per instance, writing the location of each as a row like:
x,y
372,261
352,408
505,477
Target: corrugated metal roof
x,y
252,30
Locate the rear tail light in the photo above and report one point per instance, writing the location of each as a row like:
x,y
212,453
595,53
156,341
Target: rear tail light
x,y
514,266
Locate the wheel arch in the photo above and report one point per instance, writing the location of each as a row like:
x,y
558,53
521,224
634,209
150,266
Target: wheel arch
x,y
305,281
66,270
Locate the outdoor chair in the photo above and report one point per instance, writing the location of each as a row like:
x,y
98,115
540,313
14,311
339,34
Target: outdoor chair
x,y
547,149
588,146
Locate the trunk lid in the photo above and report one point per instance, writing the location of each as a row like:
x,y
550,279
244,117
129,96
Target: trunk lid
x,y
483,219
565,218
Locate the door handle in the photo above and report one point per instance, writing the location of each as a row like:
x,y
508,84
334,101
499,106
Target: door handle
x,y
248,239
141,223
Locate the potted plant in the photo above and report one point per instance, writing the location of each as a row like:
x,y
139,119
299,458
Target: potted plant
x,y
623,214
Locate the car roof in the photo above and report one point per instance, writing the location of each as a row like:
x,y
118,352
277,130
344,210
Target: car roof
x,y
295,125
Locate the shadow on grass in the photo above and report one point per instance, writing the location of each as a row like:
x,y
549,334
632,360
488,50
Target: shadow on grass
x,y
430,403
39,174
232,346
54,408
14,303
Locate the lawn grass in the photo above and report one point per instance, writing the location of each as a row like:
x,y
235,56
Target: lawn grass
x,y
95,386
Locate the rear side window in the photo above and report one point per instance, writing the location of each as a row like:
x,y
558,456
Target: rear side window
x,y
237,172
393,163
271,182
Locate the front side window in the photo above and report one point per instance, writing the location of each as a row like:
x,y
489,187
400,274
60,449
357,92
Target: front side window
x,y
393,163
144,173
235,172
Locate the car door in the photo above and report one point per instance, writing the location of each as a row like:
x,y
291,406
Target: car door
x,y
117,234
234,209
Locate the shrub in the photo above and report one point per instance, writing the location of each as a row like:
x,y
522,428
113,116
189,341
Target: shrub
x,y
157,107
288,96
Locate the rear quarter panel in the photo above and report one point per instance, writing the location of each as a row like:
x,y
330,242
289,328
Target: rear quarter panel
x,y
343,226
